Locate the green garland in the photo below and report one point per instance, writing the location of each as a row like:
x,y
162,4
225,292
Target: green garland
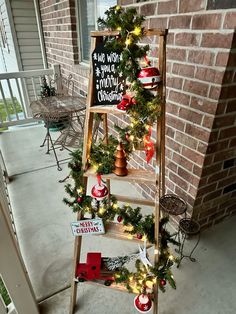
x,y
147,107
135,224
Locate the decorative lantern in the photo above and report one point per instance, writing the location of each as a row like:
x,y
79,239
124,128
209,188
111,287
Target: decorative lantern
x,y
99,190
143,303
149,77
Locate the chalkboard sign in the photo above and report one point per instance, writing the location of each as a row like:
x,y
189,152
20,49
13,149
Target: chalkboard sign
x,y
108,83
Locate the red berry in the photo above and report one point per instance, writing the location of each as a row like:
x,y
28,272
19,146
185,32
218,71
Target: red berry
x,y
139,236
79,199
119,218
163,282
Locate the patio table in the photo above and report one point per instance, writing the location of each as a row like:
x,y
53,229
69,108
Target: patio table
x,y
57,109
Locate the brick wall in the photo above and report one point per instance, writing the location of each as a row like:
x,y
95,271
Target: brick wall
x,y
201,134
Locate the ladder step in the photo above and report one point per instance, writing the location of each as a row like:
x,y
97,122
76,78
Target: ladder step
x,y
132,200
106,109
117,231
134,175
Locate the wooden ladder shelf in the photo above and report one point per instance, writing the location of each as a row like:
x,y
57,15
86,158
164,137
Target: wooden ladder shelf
x,y
156,177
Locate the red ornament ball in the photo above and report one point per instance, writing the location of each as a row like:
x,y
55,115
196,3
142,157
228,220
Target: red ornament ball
x,y
119,218
79,199
149,77
139,236
163,282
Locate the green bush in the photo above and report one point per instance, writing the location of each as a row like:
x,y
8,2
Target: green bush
x,y
4,293
10,108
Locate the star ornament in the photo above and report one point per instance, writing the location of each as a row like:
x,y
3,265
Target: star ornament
x,y
143,255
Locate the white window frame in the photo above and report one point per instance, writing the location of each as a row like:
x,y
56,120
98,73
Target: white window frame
x,y
79,30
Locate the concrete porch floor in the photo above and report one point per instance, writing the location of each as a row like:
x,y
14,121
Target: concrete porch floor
x,y
43,227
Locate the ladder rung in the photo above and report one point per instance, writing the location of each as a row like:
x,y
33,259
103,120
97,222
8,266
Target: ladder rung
x,y
132,200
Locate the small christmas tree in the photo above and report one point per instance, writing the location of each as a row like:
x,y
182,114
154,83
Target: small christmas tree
x,y
120,163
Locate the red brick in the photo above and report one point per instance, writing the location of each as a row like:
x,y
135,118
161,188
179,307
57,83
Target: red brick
x,y
183,69
171,165
191,6
197,132
190,115
171,108
226,182
186,140
228,92
208,160
174,82
215,147
176,54
148,9
178,181
197,88
201,57
232,142
187,176
167,7
173,144
193,156
217,176
230,20
232,59
183,162
216,40
207,122
178,97
175,122
224,155
221,108
211,169
202,148
209,75
215,92
224,121
222,59
179,21
187,39
206,21
206,189
197,170
229,76
160,22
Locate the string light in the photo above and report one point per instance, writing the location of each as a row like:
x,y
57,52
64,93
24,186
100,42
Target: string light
x,y
130,237
137,30
128,41
115,206
118,28
131,138
102,210
171,257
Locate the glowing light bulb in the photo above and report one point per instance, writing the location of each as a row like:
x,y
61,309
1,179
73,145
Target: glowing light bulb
x,y
130,237
128,41
118,7
131,137
171,257
80,190
101,210
118,28
156,251
115,206
137,30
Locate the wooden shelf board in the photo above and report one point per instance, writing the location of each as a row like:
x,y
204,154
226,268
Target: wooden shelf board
x,y
132,200
106,109
117,231
134,175
112,286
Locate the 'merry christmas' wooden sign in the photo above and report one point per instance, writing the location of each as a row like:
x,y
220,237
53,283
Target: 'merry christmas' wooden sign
x,y
108,83
88,226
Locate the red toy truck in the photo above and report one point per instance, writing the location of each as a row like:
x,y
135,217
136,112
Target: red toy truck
x,y
94,269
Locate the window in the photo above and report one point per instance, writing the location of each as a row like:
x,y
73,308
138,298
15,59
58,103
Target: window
x,y
89,12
